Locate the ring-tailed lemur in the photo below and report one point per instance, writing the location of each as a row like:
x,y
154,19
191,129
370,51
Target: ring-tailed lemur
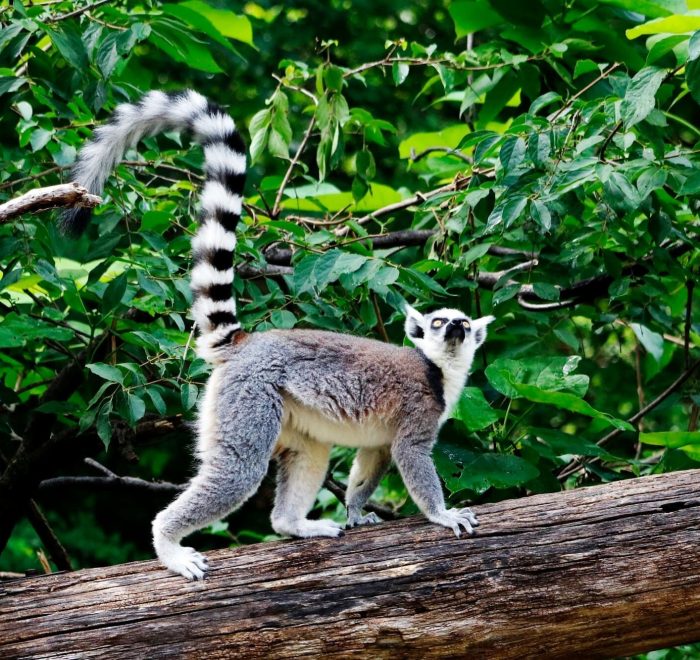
x,y
288,394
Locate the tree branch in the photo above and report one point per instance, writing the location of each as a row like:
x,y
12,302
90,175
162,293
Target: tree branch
x,y
41,199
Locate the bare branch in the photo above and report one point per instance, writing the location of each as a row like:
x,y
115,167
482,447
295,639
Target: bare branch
x,y
111,483
41,199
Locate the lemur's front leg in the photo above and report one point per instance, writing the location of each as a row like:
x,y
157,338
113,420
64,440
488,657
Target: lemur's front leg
x,y
369,466
412,456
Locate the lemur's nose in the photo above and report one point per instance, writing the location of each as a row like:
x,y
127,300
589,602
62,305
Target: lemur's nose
x,y
455,322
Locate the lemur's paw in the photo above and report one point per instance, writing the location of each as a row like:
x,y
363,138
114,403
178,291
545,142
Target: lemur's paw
x,y
308,528
455,519
187,562
357,520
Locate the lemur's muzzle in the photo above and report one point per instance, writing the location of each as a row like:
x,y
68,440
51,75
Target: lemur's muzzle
x,y
455,331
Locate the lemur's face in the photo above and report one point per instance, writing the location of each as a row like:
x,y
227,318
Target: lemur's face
x,y
446,333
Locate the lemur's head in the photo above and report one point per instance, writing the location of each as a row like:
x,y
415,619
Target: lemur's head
x,y
446,335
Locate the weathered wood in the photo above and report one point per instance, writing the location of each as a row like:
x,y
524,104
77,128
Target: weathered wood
x,y
596,572
40,199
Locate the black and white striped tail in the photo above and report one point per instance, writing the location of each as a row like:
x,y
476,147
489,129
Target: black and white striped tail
x,y
214,307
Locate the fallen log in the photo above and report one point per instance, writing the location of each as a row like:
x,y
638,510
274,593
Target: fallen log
x,y
595,572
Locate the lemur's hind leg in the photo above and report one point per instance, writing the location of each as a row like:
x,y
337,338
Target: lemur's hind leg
x,y
233,465
369,466
301,469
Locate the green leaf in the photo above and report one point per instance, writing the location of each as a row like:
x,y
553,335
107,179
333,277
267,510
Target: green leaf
x,y
550,373
652,341
69,43
692,69
106,372
568,402
188,396
448,138
102,425
473,410
231,25
282,318
541,214
157,400
671,439
676,24
333,77
513,209
399,72
640,96
472,16
512,153
114,293
566,444
135,408
463,469
546,291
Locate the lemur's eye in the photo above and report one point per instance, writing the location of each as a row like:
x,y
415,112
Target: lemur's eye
x,y
466,325
437,323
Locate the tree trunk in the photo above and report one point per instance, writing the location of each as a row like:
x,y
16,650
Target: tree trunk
x,y
596,572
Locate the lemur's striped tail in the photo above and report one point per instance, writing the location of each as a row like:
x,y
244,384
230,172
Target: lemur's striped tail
x,y
214,307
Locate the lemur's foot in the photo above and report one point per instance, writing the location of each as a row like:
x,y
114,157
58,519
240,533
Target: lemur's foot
x,y
355,520
455,519
186,561
308,528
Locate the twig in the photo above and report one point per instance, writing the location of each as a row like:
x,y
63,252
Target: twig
x,y
415,157
458,184
41,199
578,94
33,177
110,483
76,12
292,165
100,468
339,491
690,286
48,537
44,531
606,142
380,321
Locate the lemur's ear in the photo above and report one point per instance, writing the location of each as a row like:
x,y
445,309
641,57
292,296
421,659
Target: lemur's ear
x,y
415,323
479,329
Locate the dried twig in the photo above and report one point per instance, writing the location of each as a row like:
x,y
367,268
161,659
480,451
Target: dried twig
x,y
292,165
41,199
339,491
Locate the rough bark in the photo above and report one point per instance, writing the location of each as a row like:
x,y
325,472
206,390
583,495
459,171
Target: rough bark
x,y
40,199
596,572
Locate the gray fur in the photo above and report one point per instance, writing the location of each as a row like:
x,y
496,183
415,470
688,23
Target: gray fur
x,y
292,394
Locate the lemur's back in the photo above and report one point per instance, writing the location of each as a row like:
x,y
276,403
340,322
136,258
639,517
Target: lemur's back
x,y
346,377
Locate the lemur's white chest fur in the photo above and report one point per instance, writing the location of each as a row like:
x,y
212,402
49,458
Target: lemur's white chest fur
x,y
301,420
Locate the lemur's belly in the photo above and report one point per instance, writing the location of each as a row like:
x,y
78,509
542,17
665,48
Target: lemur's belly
x,y
299,419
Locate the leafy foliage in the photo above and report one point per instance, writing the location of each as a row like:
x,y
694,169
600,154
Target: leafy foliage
x,y
542,167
